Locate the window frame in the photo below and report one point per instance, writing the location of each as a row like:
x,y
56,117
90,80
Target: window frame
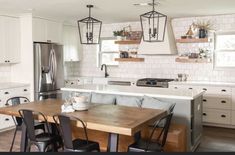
x,y
100,52
216,51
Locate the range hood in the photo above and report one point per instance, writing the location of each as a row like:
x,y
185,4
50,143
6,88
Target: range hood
x,y
168,47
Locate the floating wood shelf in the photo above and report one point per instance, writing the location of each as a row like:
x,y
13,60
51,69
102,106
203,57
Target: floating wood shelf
x,y
189,60
130,59
198,40
126,42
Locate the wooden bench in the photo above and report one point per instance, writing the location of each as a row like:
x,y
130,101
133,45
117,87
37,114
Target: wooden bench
x,y
176,140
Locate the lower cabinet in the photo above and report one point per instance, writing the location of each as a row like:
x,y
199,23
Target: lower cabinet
x,y
218,103
217,116
6,121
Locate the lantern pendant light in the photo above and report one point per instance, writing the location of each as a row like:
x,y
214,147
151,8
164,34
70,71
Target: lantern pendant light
x,y
89,29
153,25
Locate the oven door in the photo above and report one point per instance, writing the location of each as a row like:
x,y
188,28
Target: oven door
x,y
48,95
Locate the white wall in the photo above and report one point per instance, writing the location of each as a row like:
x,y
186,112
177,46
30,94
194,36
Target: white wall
x,y
5,73
23,72
161,66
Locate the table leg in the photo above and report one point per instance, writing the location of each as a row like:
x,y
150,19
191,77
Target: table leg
x,y
24,142
113,142
137,136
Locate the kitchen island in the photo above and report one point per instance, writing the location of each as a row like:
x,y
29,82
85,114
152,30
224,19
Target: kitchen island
x,y
188,109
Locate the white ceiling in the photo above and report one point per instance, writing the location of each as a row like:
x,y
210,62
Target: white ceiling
x,y
115,10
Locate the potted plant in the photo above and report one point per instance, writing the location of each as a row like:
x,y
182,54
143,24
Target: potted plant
x,y
119,34
203,28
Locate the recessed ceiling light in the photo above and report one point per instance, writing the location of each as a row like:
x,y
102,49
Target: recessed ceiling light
x,y
145,4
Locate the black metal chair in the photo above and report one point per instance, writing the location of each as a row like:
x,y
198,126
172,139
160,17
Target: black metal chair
x,y
17,120
151,144
77,145
43,140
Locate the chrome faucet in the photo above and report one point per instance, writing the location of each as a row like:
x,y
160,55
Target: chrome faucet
x,y
105,68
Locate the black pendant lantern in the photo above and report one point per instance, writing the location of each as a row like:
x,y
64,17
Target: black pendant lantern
x,y
89,29
153,25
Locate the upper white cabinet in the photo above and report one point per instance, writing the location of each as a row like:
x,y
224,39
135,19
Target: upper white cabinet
x,y
71,42
9,39
46,30
168,46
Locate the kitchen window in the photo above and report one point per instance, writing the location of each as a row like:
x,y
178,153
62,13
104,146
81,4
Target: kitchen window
x,y
108,52
225,50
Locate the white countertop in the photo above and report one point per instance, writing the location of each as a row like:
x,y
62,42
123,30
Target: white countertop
x,y
137,91
9,85
204,83
108,78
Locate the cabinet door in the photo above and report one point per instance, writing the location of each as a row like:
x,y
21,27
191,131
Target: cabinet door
x,y
12,42
2,40
39,30
71,43
54,31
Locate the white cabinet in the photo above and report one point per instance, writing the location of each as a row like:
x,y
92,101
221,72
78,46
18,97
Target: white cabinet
x,y
71,42
217,103
9,40
5,120
39,30
46,30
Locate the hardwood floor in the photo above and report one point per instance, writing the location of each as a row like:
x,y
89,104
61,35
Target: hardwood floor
x,y
214,140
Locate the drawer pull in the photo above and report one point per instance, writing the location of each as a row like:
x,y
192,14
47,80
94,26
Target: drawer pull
x,y
223,116
72,83
25,89
7,119
176,87
6,104
6,93
223,90
25,101
204,114
190,88
204,89
204,100
223,102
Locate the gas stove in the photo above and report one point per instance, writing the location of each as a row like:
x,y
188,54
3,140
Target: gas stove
x,y
154,82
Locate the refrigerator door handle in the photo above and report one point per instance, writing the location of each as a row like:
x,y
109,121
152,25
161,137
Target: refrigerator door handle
x,y
55,65
51,66
39,65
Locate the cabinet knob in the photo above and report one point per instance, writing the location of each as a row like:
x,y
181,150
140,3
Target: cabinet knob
x,y
204,100
6,93
223,116
8,61
223,90
204,114
5,60
204,89
25,101
190,88
7,119
176,87
223,102
25,89
6,104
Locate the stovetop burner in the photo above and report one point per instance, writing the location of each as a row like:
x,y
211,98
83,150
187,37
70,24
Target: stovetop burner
x,y
153,82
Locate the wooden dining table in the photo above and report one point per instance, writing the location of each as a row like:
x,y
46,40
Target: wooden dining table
x,y
113,119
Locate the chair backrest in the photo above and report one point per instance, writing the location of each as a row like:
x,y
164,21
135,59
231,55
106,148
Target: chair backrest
x,y
172,108
163,130
64,124
28,117
16,101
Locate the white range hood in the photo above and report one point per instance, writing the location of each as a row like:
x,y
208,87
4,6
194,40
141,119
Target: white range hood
x,y
167,47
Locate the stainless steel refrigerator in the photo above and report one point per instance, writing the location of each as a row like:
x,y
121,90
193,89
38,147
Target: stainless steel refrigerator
x,y
48,70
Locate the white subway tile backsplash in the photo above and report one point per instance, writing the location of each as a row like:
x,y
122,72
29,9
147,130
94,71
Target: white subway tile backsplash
x,y
159,66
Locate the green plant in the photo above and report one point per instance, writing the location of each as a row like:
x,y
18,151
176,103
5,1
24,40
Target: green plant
x,y
118,33
206,25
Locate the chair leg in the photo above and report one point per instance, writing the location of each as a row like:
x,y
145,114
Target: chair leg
x,y
13,140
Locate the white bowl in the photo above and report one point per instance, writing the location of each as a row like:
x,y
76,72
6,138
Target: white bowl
x,y
80,106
